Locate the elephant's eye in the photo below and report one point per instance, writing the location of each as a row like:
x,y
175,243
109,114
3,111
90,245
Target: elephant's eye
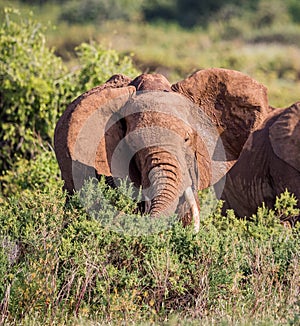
x,y
187,137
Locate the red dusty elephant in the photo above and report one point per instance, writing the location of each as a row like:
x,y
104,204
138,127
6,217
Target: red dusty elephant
x,y
268,165
171,140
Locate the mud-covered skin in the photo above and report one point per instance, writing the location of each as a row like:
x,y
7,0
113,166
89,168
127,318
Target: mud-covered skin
x,y
235,104
268,165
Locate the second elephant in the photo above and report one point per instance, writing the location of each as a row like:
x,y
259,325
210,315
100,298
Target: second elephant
x,y
268,165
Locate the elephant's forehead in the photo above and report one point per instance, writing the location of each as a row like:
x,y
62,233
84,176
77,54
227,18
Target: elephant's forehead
x,y
157,101
166,109
166,121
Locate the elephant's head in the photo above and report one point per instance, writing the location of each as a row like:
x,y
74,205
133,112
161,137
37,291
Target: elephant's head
x,y
172,140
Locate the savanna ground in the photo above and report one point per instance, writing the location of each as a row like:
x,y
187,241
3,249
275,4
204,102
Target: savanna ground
x,y
58,264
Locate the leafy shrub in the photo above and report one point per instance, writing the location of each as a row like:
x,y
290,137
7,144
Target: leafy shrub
x,y
268,15
34,83
294,10
118,209
67,264
190,13
275,34
98,64
31,175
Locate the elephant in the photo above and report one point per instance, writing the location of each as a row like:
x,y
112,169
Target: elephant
x,y
268,165
171,140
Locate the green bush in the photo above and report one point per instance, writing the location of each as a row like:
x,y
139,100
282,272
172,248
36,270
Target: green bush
x,y
34,84
31,175
270,13
275,34
190,13
57,262
97,65
294,10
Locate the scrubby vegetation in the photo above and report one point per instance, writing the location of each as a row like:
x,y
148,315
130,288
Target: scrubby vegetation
x,y
62,264
59,264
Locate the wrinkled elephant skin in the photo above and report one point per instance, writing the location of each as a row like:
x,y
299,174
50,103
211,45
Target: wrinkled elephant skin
x,y
172,140
268,165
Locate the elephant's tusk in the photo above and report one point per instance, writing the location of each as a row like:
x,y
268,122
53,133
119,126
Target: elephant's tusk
x,y
190,198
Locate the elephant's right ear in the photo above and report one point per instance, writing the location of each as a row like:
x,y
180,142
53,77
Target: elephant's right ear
x,y
235,103
89,129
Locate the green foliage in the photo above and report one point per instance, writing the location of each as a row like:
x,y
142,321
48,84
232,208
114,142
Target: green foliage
x,y
275,34
188,13
33,86
40,2
60,260
285,208
97,65
160,9
31,175
267,15
294,10
118,209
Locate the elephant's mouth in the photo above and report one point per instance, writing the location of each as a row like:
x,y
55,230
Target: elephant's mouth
x,y
167,185
188,208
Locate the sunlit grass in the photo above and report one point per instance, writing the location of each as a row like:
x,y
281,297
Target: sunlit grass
x,y
176,52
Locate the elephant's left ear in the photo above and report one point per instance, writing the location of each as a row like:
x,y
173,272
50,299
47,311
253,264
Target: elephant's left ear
x,y
285,136
235,103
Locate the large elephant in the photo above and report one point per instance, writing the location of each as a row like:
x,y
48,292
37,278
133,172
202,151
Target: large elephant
x,y
268,165
162,136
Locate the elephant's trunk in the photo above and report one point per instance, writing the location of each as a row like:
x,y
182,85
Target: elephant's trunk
x,y
165,183
164,190
161,181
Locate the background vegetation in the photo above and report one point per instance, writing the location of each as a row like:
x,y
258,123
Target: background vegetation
x,y
58,264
